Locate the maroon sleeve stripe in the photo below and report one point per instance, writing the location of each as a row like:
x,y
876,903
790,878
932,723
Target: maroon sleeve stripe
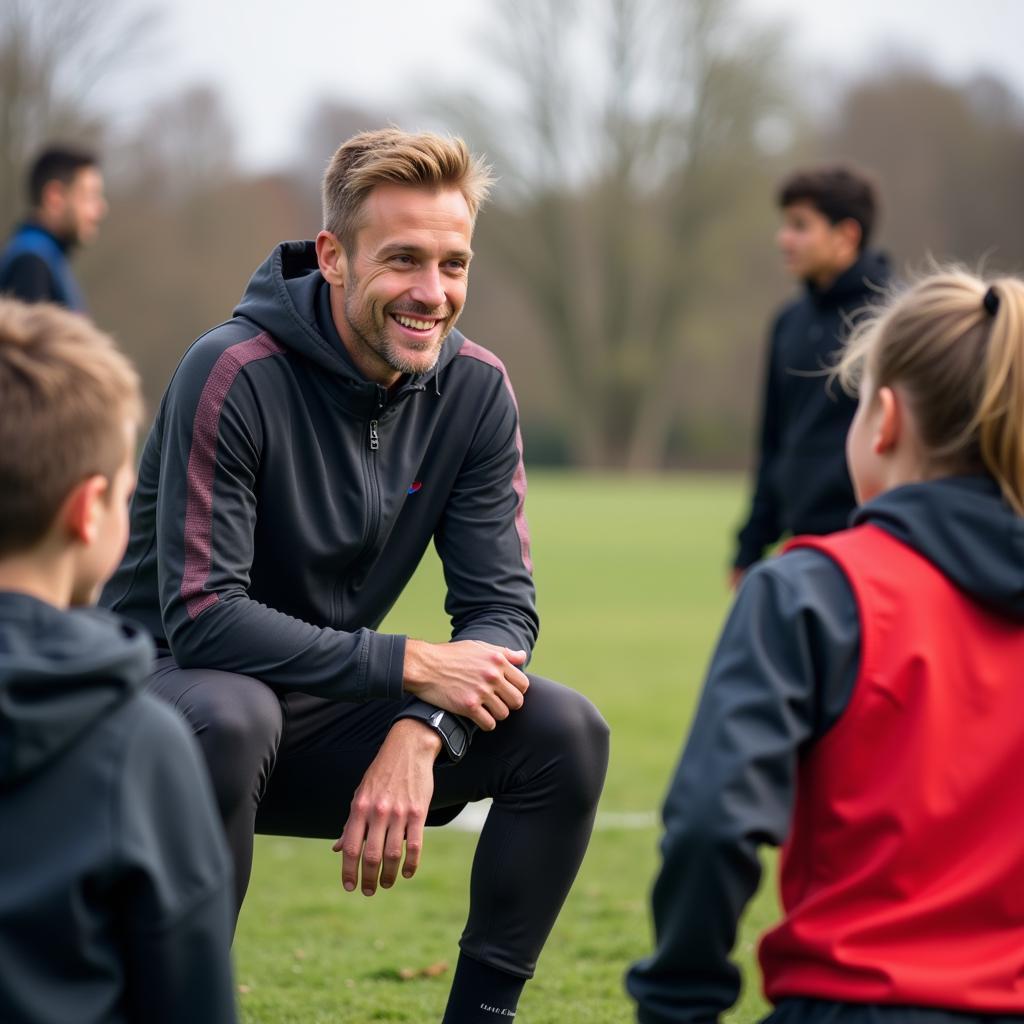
x,y
475,351
202,465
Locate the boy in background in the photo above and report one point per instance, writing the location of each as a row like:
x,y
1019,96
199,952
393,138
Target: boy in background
x,y
802,485
114,878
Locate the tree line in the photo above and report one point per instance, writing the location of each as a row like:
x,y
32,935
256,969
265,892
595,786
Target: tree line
x,y
625,269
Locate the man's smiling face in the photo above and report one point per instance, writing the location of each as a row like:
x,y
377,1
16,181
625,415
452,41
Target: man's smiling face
x,y
405,279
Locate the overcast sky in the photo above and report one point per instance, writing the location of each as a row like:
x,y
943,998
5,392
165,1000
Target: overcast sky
x,y
272,58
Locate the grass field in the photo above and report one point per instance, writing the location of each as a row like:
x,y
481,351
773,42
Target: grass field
x,y
630,577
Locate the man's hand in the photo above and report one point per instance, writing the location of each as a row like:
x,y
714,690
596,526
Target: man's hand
x,y
478,680
389,808
736,578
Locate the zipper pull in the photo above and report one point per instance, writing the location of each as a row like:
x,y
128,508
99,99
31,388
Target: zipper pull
x,y
374,439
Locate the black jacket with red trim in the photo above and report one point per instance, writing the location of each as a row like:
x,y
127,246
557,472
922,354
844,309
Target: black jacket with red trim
x,y
782,675
284,501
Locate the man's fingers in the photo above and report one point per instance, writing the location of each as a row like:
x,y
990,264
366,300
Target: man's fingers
x,y
518,679
516,657
413,847
351,845
510,695
481,716
392,851
497,707
373,852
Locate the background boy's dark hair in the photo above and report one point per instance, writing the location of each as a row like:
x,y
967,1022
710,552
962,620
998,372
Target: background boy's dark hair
x,y
57,163
837,191
65,395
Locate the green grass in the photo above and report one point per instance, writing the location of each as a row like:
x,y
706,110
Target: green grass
x,y
631,585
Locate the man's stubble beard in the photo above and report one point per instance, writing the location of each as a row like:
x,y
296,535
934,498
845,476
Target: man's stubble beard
x,y
375,337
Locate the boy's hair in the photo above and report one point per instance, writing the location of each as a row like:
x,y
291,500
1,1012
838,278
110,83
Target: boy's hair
x,y
57,163
837,192
65,395
391,155
955,344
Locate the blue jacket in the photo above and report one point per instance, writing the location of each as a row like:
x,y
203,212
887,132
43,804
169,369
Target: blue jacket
x,y
34,267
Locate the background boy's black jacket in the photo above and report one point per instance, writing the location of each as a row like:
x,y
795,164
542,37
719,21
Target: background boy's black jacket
x,y
114,879
802,482
781,676
313,531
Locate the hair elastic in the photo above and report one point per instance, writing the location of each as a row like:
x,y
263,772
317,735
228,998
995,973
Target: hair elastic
x,y
991,301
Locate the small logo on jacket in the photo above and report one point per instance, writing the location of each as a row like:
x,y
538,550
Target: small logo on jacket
x,y
417,485
497,1010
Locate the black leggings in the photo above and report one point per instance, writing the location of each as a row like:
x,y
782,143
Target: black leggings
x,y
289,765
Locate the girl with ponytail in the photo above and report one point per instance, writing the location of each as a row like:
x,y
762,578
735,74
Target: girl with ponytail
x,y
865,709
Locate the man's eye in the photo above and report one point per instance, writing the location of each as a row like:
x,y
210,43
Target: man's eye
x,y
402,258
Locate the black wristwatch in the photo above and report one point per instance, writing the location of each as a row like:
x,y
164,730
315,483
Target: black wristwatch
x,y
454,734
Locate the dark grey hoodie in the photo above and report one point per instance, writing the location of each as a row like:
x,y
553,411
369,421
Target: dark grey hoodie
x,y
780,678
284,501
114,879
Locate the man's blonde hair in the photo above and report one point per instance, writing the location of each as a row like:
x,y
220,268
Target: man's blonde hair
x,y
66,393
423,160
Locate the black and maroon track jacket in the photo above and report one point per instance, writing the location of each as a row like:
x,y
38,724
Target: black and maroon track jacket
x,y
284,501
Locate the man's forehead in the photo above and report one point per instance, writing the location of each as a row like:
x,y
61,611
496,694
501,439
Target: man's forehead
x,y
392,208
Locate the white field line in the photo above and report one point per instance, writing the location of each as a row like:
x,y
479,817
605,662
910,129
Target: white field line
x,y
474,815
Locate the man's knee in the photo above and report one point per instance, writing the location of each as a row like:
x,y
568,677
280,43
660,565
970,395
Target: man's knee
x,y
565,722
237,721
239,716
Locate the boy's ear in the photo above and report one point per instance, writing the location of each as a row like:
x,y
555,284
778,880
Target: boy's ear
x,y
890,421
330,255
850,231
81,515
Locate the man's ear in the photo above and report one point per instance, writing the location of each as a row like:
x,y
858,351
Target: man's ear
x,y
330,254
81,514
54,196
889,425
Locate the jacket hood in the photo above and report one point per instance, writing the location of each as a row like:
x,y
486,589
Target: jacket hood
x,y
866,280
963,526
282,297
59,672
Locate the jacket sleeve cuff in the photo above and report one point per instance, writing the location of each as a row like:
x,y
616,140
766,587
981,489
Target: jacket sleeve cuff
x,y
385,666
495,635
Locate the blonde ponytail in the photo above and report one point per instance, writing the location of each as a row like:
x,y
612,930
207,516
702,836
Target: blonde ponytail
x,y
999,421
956,346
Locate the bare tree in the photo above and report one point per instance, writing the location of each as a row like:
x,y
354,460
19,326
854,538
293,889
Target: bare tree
x,y
629,127
53,54
950,157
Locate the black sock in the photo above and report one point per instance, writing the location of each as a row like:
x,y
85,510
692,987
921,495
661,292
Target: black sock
x,y
482,994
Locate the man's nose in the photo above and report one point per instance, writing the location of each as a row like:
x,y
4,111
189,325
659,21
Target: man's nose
x,y
428,288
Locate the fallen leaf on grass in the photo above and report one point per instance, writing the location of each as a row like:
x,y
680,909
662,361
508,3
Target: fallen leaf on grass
x,y
432,971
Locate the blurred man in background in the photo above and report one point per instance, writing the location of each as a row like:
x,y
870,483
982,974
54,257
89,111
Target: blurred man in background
x,y
66,193
802,484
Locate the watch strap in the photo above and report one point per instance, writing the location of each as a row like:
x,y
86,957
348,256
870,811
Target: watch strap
x,y
452,730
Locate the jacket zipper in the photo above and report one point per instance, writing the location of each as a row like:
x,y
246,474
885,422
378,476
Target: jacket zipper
x,y
372,470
